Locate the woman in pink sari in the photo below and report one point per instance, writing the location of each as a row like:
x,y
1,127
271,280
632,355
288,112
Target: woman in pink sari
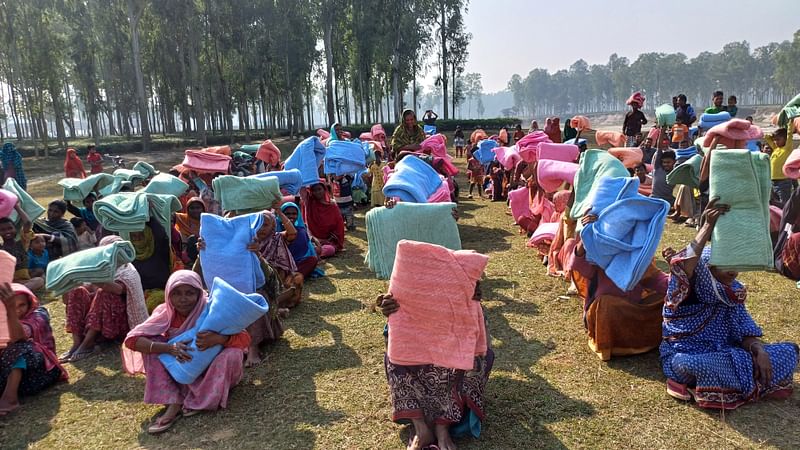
x,y
185,300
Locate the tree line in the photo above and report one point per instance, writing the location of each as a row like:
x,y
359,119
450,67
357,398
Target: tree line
x,y
71,68
766,75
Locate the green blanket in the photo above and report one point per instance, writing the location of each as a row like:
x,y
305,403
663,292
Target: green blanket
x,y
77,189
145,169
789,112
133,176
129,211
424,222
246,194
33,209
95,265
594,165
688,172
741,240
250,148
665,115
165,183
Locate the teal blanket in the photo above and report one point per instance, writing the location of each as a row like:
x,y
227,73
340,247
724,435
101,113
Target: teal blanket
x,y
77,189
129,211
741,240
95,265
132,176
145,169
167,184
688,172
594,165
424,222
665,115
789,112
246,194
33,209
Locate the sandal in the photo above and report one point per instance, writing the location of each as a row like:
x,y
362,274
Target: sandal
x,y
157,428
679,390
186,412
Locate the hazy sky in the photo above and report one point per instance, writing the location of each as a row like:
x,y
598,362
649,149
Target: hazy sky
x,y
515,36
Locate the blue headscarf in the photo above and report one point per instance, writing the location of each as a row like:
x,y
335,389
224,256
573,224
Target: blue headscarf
x,y
334,136
302,247
11,157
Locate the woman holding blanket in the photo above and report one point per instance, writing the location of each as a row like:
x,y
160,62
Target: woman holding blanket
x,y
408,135
323,218
152,255
712,350
273,247
185,300
302,247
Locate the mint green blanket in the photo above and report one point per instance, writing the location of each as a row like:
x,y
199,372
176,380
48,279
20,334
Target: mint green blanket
x,y
33,209
665,115
167,184
789,112
132,176
145,169
77,189
594,165
95,265
424,222
741,240
246,193
687,172
129,211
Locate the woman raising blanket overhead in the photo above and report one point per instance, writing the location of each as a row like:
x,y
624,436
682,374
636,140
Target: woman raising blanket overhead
x,y
408,135
185,300
712,350
324,221
103,310
28,365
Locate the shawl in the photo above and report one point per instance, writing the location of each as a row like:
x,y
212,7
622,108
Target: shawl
x,y
301,248
402,137
185,225
274,248
36,323
323,218
158,323
73,166
146,246
552,129
10,157
69,240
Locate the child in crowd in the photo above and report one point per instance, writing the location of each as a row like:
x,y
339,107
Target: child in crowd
x,y
38,257
95,159
344,199
458,141
86,238
732,109
781,142
17,245
663,163
376,179
680,132
476,174
519,134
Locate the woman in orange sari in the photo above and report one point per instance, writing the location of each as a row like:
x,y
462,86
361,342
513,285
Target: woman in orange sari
x,y
188,223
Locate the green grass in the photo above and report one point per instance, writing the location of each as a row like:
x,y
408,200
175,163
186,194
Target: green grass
x,y
323,385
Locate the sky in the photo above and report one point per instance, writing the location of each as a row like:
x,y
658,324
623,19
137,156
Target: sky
x,y
516,36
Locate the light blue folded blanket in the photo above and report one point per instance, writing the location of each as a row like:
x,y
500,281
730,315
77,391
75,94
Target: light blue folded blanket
x,y
595,165
625,236
345,157
226,256
77,189
424,222
413,181
710,120
32,209
485,152
228,312
246,194
741,240
289,180
133,176
94,265
307,157
167,184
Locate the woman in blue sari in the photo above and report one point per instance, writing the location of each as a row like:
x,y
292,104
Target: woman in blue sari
x,y
302,247
712,351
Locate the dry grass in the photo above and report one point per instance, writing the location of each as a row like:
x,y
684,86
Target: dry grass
x,y
323,385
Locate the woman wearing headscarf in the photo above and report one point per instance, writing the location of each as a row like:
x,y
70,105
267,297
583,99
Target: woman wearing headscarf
x,y
408,135
302,247
569,132
552,129
534,126
28,364
60,237
185,300
323,218
73,166
153,255
107,310
12,165
188,223
712,350
273,247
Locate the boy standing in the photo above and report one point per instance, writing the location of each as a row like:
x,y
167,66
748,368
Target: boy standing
x,y
344,200
782,143
732,109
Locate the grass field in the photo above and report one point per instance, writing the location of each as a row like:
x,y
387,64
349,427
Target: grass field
x,y
322,386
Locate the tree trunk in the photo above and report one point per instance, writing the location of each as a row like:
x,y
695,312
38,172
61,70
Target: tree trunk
x,y
444,58
398,99
135,10
197,87
329,104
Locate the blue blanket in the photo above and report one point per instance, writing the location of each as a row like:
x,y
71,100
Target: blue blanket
x,y
226,256
430,130
413,181
683,154
307,157
345,157
710,120
580,142
485,152
227,312
625,236
594,165
289,180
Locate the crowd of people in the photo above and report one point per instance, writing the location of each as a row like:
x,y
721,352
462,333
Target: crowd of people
x,y
559,191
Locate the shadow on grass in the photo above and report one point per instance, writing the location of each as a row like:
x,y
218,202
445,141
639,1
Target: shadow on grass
x,y
484,239
770,423
33,420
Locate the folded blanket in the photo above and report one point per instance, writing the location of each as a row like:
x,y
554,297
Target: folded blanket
x,y
32,209
289,180
162,207
227,312
791,168
206,162
250,149
546,231
8,200
269,153
789,112
485,152
219,150
246,194
378,133
614,138
594,166
323,134
424,222
345,157
580,123
665,115
625,236
710,120
365,136
685,153
732,131
630,157
687,172
413,180
552,174
435,145
429,129
653,134
610,189
441,195
7,265
77,189
307,157
528,146
94,265
438,322
226,256
558,152
508,156
636,98
129,211
579,142
519,201
134,177
145,169
166,184
741,240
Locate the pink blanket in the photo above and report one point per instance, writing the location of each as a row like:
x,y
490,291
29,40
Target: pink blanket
x,y
629,156
519,201
269,153
528,146
435,145
541,206
438,322
507,156
206,162
558,152
7,202
378,133
653,134
732,131
7,265
791,168
220,150
580,123
637,98
366,136
441,195
614,138
323,134
546,231
552,174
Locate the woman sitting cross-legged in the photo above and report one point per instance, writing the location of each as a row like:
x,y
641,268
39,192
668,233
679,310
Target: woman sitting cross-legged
x,y
712,351
184,302
302,247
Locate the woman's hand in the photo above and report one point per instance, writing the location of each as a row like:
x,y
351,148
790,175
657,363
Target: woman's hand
x,y
387,304
668,253
454,213
588,218
7,297
762,366
713,211
276,205
254,247
208,339
389,203
180,350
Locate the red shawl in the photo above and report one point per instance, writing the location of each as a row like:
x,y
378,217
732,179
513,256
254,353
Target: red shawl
x,y
73,166
323,219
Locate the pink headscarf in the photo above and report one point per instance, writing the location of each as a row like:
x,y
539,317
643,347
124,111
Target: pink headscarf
x,y
159,321
636,98
41,334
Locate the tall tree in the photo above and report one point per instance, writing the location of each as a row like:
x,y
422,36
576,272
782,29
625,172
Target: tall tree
x,y
135,11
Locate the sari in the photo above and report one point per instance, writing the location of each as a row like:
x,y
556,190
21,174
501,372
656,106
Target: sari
x,y
274,249
301,248
12,165
64,232
403,137
705,323
186,225
73,166
324,219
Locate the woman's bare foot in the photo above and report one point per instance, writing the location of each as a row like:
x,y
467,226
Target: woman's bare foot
x,y
253,358
443,440
7,407
283,312
423,436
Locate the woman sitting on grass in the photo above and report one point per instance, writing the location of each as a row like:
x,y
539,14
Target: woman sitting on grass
x,y
302,246
28,365
185,300
273,247
324,219
712,351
